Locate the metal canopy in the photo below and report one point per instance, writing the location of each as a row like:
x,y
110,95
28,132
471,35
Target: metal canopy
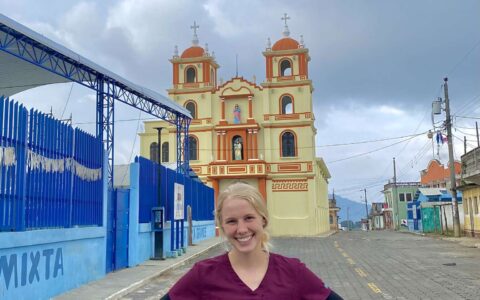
x,y
28,60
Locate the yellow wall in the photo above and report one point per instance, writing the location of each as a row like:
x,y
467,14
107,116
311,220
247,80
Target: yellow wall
x,y
468,198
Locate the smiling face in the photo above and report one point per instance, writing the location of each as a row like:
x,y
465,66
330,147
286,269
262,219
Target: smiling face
x,y
242,225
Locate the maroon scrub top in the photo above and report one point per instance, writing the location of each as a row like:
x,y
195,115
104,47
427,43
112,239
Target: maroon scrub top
x,y
214,278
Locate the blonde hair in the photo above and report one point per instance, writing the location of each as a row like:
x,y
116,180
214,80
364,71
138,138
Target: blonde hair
x,y
242,190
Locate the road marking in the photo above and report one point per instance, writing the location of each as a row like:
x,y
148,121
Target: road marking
x,y
374,288
345,254
350,261
360,272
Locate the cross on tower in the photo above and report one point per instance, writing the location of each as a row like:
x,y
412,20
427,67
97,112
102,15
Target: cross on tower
x,y
286,32
285,18
195,37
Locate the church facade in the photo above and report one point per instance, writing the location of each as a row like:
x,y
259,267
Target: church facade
x,y
263,134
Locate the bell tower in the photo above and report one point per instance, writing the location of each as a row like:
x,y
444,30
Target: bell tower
x,y
287,60
195,68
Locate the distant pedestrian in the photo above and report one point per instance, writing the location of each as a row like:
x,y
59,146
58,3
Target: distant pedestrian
x,y
249,270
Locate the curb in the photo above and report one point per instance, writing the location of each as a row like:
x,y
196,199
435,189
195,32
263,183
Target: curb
x,y
146,280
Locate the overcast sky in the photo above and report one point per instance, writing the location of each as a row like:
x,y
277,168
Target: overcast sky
x,y
376,67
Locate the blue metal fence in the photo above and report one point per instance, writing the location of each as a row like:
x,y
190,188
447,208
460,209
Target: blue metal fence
x,y
197,195
51,174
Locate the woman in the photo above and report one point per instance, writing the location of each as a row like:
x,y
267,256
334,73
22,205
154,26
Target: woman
x,y
248,270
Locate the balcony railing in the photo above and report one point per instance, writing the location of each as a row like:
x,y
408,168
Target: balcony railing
x,y
471,166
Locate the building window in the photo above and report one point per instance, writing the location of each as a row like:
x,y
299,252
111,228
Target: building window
x,y
154,152
285,68
402,197
192,108
288,144
191,75
287,105
409,197
165,152
237,148
193,147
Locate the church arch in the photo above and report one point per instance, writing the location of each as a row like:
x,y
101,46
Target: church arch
x,y
165,152
193,147
237,148
286,104
191,74
191,106
154,152
286,68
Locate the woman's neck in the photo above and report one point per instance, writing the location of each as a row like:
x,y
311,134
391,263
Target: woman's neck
x,y
255,258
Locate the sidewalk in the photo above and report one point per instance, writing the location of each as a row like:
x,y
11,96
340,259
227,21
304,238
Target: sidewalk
x,y
117,284
466,241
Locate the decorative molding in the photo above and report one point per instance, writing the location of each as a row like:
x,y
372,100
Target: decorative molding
x,y
290,185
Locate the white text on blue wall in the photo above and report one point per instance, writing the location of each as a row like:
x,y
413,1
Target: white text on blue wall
x,y
24,269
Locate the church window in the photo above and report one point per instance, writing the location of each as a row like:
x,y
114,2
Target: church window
x,y
237,148
193,147
285,68
154,152
287,105
191,75
165,152
288,144
191,107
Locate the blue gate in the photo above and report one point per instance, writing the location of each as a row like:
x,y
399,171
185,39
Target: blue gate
x,y
117,229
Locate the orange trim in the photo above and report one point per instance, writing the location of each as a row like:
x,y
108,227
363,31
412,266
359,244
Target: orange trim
x,y
290,167
269,67
262,188
241,79
175,73
271,85
206,72
224,147
285,126
200,90
185,75
301,64
280,102
295,148
236,170
255,145
218,146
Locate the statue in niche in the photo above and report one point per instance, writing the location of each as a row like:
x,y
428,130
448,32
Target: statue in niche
x,y
237,149
236,114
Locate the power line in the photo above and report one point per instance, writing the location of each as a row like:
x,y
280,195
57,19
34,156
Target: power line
x,y
369,152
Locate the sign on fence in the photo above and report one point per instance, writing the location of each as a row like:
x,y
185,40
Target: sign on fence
x,y
179,201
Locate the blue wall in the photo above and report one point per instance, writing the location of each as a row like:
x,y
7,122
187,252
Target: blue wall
x,y
43,263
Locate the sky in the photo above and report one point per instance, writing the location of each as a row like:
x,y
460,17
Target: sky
x,y
376,67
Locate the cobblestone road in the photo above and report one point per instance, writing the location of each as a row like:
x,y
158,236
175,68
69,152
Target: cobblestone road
x,y
371,265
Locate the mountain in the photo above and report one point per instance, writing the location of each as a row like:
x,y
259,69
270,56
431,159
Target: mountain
x,y
356,210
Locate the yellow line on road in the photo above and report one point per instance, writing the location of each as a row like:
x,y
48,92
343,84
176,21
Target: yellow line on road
x,y
350,261
374,288
360,272
345,254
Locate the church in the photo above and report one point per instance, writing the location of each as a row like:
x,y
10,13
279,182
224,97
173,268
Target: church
x,y
263,134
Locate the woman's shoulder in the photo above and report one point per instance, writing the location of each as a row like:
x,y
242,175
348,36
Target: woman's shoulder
x,y
213,262
284,259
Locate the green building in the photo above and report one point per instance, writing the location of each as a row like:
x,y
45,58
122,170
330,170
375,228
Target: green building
x,y
397,195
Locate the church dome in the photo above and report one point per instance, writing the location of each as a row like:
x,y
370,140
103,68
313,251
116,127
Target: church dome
x,y
194,51
285,44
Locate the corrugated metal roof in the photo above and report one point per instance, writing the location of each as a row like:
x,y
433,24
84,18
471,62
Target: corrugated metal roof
x,y
17,75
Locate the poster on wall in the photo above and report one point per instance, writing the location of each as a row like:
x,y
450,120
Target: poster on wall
x,y
178,201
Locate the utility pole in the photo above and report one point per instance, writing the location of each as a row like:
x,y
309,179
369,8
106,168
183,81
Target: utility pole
x,y
366,206
348,218
453,183
394,198
478,141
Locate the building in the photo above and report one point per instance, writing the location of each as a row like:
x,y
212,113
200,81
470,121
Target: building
x,y
436,175
397,195
470,188
333,212
377,216
260,133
